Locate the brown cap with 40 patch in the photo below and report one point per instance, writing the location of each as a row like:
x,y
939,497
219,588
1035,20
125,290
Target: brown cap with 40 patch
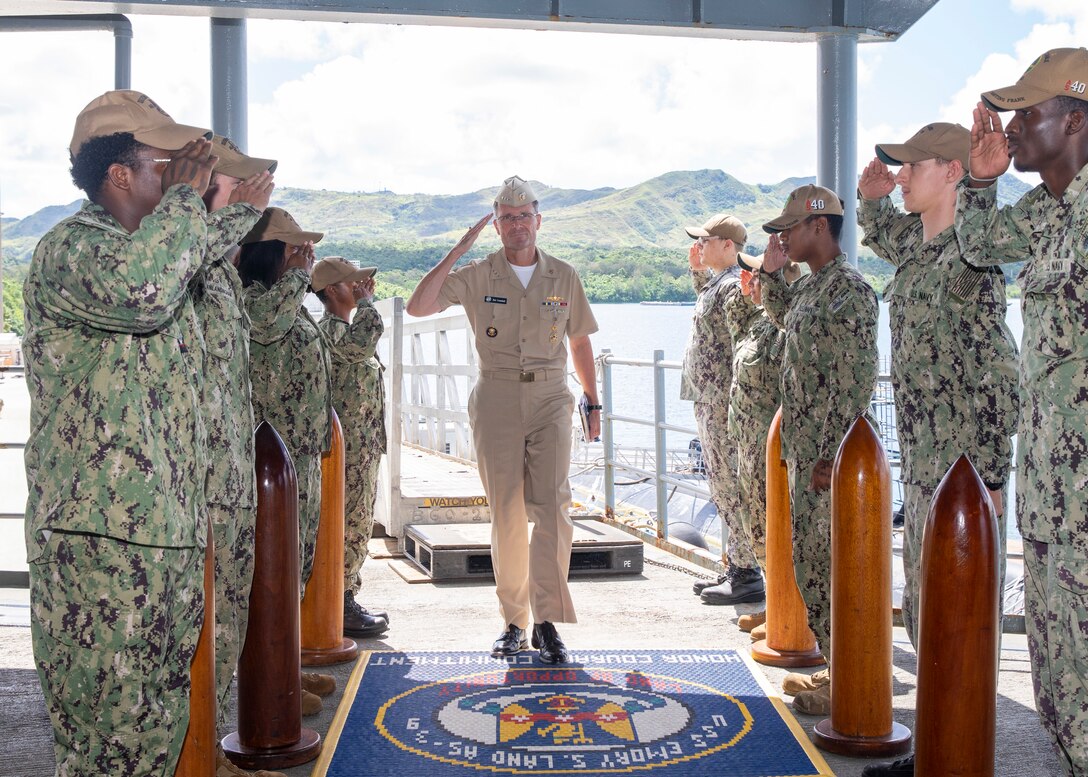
x,y
810,200
1057,73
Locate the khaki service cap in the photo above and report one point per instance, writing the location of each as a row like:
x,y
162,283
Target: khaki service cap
x,y
1057,73
278,224
721,225
125,110
939,140
236,164
335,269
515,192
810,200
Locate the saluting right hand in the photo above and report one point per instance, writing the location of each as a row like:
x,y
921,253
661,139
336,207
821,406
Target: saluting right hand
x,y
989,146
774,258
469,238
193,165
695,257
876,181
255,190
301,256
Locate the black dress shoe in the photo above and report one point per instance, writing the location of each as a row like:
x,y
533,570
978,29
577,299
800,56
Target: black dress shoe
x,y
349,601
510,642
904,767
358,622
546,640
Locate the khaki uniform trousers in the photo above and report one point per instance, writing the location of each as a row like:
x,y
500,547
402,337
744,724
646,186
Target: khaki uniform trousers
x,y
522,433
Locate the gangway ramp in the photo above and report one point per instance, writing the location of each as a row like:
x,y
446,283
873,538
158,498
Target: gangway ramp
x,y
442,523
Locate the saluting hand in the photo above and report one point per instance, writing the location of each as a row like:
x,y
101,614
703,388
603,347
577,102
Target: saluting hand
x,y
193,165
301,257
876,181
989,146
774,258
255,190
695,256
746,282
469,238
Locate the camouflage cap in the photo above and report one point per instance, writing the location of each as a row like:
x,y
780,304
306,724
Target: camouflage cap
x,y
515,192
336,269
939,140
278,224
810,200
721,225
125,110
236,164
1057,73
791,272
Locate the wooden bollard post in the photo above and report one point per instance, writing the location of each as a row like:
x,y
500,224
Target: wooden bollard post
x,y
197,757
322,612
861,603
270,733
789,642
959,631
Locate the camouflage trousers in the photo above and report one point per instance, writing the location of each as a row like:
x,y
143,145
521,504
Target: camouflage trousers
x,y
362,488
810,513
916,502
1056,616
308,472
234,529
720,460
114,627
752,485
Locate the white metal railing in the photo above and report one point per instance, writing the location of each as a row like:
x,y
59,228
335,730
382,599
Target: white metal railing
x,y
661,473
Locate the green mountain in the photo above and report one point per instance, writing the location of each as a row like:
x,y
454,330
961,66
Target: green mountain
x,y
628,243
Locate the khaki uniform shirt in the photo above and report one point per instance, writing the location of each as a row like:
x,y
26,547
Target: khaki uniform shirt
x,y
217,297
708,358
829,363
114,358
289,364
953,356
520,328
1047,234
358,393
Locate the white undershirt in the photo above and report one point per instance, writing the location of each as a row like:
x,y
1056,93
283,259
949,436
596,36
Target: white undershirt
x,y
524,273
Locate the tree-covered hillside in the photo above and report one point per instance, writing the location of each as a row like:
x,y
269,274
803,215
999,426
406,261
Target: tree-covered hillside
x,y
629,244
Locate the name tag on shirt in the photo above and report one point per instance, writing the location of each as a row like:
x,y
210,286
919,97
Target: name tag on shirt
x,y
495,300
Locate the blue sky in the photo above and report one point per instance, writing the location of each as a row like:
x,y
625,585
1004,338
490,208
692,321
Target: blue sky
x,y
449,110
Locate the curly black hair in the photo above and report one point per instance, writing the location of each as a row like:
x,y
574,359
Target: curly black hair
x,y
1070,104
261,262
93,160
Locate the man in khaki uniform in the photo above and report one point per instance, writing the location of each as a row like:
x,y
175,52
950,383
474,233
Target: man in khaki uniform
x,y
522,304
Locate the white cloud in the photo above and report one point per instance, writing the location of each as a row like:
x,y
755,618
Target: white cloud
x,y
452,109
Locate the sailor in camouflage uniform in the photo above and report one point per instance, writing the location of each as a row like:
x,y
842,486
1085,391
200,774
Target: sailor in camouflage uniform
x,y
829,369
359,398
754,397
116,458
953,356
1048,134
230,488
289,358
705,380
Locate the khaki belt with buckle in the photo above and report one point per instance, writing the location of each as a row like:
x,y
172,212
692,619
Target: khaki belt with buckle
x,y
522,377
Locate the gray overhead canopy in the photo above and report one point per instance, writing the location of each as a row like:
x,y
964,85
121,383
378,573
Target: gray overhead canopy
x,y
836,26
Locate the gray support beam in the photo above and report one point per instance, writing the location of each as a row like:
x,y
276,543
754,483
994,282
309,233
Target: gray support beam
x,y
230,116
122,56
836,122
119,25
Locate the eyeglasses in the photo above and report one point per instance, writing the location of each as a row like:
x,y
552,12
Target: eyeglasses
x,y
154,161
704,240
520,218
